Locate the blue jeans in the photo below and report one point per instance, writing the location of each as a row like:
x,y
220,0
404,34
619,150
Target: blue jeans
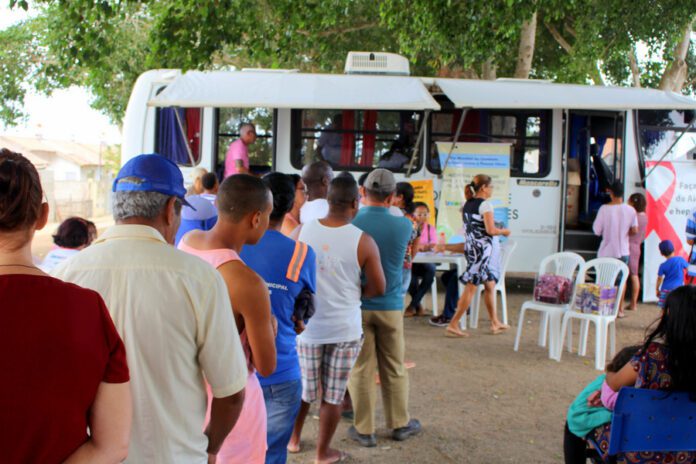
x,y
451,282
282,405
422,276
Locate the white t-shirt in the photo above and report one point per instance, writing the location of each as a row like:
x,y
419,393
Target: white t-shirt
x,y
315,209
486,207
55,257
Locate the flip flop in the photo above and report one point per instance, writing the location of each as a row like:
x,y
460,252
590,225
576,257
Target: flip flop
x,y
294,450
450,333
342,457
497,331
620,316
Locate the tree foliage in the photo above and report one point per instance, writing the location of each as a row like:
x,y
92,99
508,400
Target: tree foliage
x,y
105,44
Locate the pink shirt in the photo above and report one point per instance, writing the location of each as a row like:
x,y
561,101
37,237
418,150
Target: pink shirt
x,y
608,396
613,223
237,151
428,235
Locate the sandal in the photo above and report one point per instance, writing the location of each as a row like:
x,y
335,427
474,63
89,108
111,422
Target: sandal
x,y
294,450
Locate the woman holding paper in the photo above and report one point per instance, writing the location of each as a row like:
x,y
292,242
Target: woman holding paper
x,y
480,230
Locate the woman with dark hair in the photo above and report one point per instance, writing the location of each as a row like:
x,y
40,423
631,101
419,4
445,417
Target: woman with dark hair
x,y
289,269
637,201
666,362
65,396
292,217
73,235
480,230
403,199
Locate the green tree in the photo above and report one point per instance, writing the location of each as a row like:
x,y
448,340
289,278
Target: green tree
x,y
105,44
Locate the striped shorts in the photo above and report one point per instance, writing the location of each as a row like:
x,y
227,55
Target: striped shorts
x,y
326,368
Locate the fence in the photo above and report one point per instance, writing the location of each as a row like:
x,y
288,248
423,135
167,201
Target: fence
x,y
85,198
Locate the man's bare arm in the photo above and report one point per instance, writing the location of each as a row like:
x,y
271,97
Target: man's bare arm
x,y
224,413
250,299
369,259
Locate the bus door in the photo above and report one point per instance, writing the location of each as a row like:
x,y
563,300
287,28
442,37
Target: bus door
x,y
595,159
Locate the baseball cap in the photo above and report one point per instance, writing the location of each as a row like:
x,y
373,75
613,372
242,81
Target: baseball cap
x,y
157,174
666,247
380,180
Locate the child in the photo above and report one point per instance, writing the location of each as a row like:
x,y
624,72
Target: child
x,y
428,233
670,274
422,274
583,417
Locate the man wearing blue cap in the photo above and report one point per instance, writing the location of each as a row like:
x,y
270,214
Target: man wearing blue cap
x,y
172,311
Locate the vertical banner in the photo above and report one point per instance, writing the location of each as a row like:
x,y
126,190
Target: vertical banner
x,y
425,192
671,196
468,160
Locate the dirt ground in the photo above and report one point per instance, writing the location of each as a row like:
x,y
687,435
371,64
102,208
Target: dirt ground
x,y
478,400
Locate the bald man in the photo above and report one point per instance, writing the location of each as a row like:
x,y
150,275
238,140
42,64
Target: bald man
x,y
237,158
317,177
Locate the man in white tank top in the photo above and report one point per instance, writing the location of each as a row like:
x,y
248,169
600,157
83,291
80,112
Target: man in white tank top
x,y
332,339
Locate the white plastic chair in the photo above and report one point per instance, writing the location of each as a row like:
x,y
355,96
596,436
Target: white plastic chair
x,y
564,264
506,250
607,273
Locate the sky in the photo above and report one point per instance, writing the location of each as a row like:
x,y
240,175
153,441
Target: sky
x,y
66,114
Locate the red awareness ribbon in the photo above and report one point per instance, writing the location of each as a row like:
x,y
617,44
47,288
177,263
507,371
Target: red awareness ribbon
x,y
658,219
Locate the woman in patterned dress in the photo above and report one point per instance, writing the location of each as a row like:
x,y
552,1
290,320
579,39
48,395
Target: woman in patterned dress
x,y
480,230
666,362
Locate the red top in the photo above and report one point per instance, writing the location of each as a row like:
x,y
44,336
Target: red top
x,y
57,344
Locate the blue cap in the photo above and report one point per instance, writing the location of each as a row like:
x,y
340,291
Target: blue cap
x,y
157,173
666,247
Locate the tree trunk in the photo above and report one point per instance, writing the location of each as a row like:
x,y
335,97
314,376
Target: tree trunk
x,y
596,74
489,70
525,53
675,74
635,70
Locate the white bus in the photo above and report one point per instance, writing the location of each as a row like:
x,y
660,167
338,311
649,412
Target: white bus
x,y
568,141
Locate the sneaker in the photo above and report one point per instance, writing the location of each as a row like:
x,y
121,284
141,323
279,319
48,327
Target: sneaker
x,y
439,321
413,428
368,441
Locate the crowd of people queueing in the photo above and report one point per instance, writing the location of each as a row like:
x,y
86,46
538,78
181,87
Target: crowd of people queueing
x,y
213,350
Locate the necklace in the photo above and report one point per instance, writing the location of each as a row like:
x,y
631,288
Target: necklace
x,y
19,265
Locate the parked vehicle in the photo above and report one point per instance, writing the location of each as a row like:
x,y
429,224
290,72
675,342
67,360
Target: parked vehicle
x,y
568,141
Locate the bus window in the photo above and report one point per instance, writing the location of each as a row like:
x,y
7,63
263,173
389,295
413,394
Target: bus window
x,y
229,121
528,132
178,134
355,140
659,129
